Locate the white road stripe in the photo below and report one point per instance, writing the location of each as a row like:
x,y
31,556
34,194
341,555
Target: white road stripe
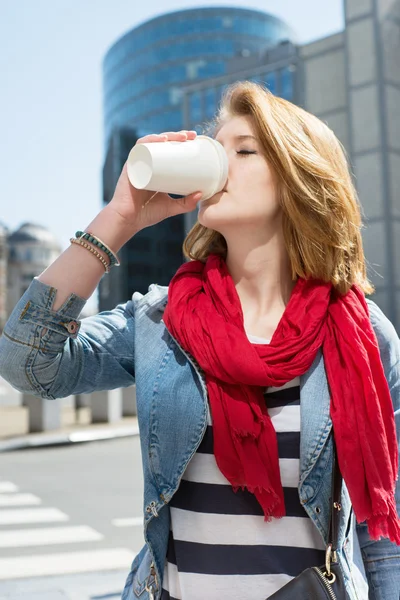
x,y
19,500
65,562
31,515
7,486
128,522
47,536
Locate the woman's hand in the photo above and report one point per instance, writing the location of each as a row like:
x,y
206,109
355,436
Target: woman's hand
x,y
142,208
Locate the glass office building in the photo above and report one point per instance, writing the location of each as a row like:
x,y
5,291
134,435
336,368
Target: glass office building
x,y
145,69
275,68
146,77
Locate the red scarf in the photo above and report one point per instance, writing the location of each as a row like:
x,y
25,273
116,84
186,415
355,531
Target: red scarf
x,y
204,315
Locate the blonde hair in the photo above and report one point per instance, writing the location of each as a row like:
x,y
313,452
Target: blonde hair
x,y
321,213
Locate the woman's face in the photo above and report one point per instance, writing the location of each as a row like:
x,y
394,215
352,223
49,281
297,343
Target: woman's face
x,y
250,196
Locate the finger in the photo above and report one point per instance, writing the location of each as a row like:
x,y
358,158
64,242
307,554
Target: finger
x,y
191,134
195,196
154,137
168,136
178,136
187,204
173,133
163,137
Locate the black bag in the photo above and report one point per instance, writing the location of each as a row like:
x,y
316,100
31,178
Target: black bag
x,y
326,582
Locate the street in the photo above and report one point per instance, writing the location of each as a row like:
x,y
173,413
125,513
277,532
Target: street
x,y
69,511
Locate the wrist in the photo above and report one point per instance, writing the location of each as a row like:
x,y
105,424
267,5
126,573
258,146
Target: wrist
x,y
110,226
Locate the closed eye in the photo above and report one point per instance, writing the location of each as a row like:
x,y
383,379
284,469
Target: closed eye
x,y
246,152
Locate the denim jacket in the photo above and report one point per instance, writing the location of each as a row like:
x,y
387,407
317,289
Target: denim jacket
x,y
53,355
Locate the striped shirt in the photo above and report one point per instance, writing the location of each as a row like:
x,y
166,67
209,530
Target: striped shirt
x,y
219,544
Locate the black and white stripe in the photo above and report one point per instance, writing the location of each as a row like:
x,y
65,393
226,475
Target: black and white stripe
x,y
220,545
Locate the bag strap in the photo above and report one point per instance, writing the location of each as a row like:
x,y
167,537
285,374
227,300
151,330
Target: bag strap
x,y
336,506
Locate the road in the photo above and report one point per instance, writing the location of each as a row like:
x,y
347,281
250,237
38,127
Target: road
x,y
68,511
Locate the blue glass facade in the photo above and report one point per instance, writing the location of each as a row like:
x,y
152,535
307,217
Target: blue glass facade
x,y
144,70
201,100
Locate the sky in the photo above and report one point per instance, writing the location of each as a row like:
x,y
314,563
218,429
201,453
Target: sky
x,y
51,129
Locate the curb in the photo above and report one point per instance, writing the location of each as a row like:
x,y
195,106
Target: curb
x,y
65,438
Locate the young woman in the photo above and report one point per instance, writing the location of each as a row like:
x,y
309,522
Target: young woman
x,y
261,347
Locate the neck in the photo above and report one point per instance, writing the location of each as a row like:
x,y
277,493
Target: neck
x,y
261,272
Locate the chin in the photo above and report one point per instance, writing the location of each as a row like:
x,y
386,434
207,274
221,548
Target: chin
x,y
215,217
208,213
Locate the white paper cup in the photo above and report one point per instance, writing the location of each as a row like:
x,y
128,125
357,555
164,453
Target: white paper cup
x,y
179,167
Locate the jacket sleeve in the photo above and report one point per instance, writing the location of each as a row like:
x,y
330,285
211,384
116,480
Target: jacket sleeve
x,y
54,355
382,558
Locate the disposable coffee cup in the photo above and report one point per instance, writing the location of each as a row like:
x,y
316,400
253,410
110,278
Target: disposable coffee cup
x,y
181,168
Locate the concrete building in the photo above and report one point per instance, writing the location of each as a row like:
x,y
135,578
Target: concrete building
x,y
31,249
351,80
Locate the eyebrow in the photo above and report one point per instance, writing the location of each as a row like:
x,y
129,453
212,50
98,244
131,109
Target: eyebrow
x,y
246,137
239,138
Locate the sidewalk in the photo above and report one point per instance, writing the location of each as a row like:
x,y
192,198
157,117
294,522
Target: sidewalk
x,y
126,427
82,586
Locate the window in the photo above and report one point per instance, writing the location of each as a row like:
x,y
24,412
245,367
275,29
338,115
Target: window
x,y
195,107
270,81
193,67
175,95
287,83
211,102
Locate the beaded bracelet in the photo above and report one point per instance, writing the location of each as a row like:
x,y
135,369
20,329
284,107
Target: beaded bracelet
x,y
93,251
86,235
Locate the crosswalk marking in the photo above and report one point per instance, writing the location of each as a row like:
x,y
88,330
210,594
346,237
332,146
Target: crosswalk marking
x,y
64,563
47,536
23,511
128,522
31,515
19,500
7,486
